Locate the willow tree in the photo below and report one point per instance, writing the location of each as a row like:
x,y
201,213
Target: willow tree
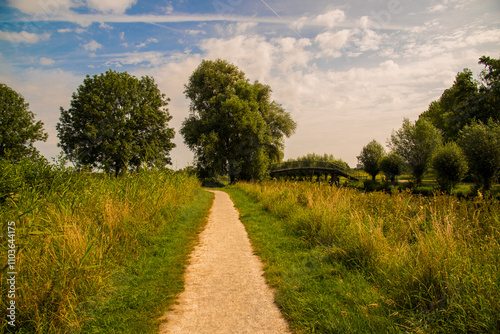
x,y
233,127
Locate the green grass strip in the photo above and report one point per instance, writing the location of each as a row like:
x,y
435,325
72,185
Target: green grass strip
x,y
144,289
315,294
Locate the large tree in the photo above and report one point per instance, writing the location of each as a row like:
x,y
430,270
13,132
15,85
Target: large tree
x,y
481,145
415,142
18,128
234,127
117,121
467,100
370,157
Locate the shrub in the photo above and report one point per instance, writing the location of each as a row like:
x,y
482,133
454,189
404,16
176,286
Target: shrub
x,y
450,164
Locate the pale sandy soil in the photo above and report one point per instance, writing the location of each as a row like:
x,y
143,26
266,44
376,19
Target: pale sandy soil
x,y
225,291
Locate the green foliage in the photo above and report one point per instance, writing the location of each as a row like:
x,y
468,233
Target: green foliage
x,y
98,254
116,122
467,100
450,164
344,261
481,145
18,128
320,158
370,158
234,128
27,173
392,165
415,143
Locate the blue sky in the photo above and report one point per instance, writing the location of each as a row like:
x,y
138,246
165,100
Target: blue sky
x,y
347,71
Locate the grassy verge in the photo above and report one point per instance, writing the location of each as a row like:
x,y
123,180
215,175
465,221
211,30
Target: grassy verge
x,y
97,254
347,262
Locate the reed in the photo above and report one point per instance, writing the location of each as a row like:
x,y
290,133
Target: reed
x,y
435,261
78,232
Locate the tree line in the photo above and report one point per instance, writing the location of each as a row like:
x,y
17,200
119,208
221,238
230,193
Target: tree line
x,y
117,122
458,134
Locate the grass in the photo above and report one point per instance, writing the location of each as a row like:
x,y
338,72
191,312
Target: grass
x,y
348,262
97,254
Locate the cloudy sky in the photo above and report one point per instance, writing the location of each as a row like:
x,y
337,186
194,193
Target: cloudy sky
x,y
347,71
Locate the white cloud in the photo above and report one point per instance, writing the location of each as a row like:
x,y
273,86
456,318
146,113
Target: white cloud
x,y
105,26
45,91
43,9
23,37
149,59
242,27
370,40
332,42
253,53
111,6
148,41
92,46
168,9
62,31
331,19
439,8
46,61
299,23
196,32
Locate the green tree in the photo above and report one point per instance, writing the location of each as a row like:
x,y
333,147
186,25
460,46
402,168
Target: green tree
x,y
314,157
116,122
370,157
18,128
467,100
233,128
454,109
450,164
392,165
481,145
415,142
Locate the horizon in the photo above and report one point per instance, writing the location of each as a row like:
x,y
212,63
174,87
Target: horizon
x,y
347,71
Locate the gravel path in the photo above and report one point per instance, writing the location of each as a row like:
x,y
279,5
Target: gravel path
x,y
225,291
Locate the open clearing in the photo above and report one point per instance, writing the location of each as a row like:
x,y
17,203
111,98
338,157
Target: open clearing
x,y
225,291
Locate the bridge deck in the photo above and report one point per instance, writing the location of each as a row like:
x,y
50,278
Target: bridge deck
x,y
306,167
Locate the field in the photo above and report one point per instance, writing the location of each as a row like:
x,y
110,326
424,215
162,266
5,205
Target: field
x,y
97,254
344,261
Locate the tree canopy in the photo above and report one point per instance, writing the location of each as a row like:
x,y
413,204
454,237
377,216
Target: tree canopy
x,y
370,157
234,127
481,145
450,164
18,128
321,158
467,100
392,165
415,142
117,121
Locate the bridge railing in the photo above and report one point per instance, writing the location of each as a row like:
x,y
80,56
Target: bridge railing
x,y
305,164
319,164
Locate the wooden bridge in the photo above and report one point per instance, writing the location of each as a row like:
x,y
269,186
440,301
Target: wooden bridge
x,y
315,169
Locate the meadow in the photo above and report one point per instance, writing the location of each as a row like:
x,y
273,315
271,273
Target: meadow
x,y
345,261
95,253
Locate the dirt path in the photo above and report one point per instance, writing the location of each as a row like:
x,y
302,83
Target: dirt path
x,y
225,291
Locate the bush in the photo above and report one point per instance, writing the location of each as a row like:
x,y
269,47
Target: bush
x,y
450,164
35,174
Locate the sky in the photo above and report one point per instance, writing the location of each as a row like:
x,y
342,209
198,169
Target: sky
x,y
347,71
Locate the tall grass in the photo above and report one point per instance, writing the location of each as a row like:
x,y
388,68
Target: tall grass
x,y
434,261
75,234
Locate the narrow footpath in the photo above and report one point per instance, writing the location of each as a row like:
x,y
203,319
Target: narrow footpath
x,y
225,291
